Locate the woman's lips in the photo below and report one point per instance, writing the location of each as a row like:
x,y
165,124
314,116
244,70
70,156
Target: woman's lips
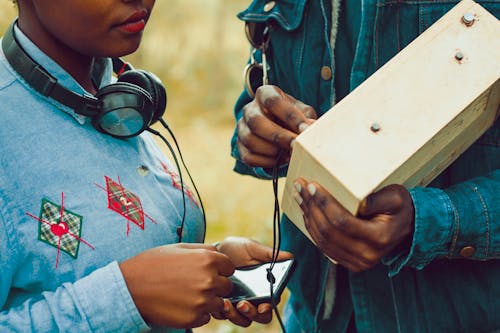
x,y
133,27
134,23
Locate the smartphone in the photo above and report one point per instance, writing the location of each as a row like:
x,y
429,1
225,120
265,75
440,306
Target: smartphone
x,y
251,283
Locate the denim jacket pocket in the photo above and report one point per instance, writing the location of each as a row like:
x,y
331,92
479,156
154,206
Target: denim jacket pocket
x,y
297,50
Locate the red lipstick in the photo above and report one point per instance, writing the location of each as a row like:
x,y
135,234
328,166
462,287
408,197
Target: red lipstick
x,y
135,23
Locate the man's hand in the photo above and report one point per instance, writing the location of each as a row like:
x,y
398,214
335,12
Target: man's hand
x,y
178,285
385,220
245,252
269,125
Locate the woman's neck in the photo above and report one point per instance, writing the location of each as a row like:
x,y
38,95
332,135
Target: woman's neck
x,y
79,66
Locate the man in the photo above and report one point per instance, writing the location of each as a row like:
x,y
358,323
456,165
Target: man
x,y
430,263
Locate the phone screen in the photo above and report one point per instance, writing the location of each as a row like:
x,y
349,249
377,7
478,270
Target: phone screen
x,y
251,283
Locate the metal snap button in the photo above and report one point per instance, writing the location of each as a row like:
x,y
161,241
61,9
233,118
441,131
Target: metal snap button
x,y
326,73
467,251
268,6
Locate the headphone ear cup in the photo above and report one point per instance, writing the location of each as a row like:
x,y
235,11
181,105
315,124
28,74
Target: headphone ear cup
x,y
153,85
126,110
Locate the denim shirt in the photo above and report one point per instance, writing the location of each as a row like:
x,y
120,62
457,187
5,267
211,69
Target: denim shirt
x,y
433,286
73,203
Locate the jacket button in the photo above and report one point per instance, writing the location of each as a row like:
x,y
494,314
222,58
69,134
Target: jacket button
x,y
467,251
326,73
270,5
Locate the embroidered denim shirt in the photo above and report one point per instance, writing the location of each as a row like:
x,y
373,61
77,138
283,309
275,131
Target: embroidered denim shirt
x,y
73,203
429,287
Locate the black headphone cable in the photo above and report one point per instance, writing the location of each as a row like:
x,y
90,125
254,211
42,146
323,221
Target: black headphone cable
x,y
276,239
176,160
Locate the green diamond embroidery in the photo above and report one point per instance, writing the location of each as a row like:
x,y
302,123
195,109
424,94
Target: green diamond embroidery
x,y
60,228
62,232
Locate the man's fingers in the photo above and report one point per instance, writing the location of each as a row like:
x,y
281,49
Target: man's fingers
x,y
283,107
264,127
335,230
255,160
345,250
254,143
339,217
388,200
307,111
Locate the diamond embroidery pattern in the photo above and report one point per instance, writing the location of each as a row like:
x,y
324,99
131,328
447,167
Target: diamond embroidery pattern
x,y
176,183
124,202
59,230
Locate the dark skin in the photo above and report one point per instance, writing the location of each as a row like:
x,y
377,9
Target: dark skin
x,y
181,285
385,219
245,312
73,33
269,125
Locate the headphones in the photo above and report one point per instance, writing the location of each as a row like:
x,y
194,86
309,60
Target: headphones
x,y
122,109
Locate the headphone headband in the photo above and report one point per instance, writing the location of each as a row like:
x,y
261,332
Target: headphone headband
x,y
122,109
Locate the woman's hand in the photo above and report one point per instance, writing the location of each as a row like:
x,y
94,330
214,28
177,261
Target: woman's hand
x,y
178,285
385,220
245,252
269,125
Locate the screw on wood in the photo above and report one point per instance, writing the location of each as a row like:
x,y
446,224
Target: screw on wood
x,y
468,19
375,127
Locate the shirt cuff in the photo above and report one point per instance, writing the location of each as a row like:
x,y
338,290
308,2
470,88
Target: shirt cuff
x,y
433,232
107,302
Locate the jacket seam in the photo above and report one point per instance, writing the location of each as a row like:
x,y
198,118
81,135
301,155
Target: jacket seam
x,y
457,228
302,47
330,50
475,189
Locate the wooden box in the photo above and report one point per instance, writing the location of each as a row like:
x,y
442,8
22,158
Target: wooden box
x,y
412,118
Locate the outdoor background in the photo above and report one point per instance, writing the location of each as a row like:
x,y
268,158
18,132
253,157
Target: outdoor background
x,y
198,48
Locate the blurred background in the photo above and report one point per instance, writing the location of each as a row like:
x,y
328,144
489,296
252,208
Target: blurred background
x,y
199,49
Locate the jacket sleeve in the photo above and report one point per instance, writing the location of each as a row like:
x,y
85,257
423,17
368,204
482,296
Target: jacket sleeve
x,y
462,221
99,302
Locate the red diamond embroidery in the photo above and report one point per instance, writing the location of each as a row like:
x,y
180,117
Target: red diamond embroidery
x,y
176,183
125,203
60,228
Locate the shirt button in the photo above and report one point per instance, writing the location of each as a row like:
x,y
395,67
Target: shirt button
x,y
143,170
270,5
467,251
326,73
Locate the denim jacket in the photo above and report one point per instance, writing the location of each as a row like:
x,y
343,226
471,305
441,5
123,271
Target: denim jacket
x,y
435,285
